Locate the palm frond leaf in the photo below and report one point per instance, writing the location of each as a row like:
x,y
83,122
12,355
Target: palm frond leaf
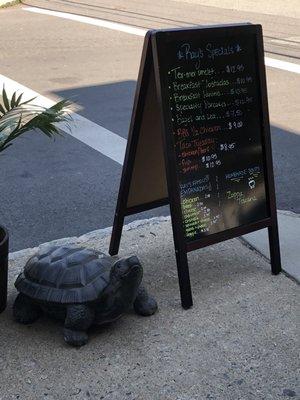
x,y
19,117
2,109
13,100
5,99
18,101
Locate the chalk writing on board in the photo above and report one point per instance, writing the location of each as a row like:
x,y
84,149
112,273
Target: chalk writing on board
x,y
213,97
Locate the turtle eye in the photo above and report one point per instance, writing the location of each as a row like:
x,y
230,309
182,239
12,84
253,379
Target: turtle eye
x,y
133,260
121,266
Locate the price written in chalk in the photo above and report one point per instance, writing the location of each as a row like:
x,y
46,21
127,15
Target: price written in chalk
x,y
212,89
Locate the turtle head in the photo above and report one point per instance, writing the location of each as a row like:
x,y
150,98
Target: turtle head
x,y
127,270
119,295
125,278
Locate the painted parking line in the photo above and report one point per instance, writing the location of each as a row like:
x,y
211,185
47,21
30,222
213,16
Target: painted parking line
x,y
270,62
116,26
284,65
99,138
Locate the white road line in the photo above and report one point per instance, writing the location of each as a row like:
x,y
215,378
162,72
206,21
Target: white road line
x,y
270,62
106,142
284,65
92,21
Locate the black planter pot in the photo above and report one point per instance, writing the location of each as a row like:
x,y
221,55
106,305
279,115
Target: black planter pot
x,y
3,267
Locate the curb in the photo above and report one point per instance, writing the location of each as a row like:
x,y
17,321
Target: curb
x,y
97,234
289,230
105,232
288,213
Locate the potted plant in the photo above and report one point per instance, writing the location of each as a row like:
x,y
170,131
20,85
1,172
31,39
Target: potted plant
x,y
16,118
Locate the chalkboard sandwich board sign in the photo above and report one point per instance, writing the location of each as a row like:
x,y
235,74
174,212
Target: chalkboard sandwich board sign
x,y
199,140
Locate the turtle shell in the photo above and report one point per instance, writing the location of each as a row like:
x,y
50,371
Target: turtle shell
x,y
65,275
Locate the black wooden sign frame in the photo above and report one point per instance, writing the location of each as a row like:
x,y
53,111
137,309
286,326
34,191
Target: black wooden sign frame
x,y
149,63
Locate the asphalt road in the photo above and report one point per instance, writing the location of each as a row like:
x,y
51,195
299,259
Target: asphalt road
x,y
64,188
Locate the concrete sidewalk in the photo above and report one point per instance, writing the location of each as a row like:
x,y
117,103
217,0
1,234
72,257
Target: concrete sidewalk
x,y
238,342
289,234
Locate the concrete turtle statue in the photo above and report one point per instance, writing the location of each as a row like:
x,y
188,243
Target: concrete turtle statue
x,y
82,287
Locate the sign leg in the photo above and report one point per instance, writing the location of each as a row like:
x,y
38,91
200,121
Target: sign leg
x,y
274,249
184,279
116,234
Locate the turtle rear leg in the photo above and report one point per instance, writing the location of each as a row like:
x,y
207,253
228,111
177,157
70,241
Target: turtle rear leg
x,y
144,303
25,310
78,319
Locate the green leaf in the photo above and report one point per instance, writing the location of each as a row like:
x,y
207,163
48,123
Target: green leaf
x,y
22,117
19,99
4,147
27,101
5,99
2,109
13,100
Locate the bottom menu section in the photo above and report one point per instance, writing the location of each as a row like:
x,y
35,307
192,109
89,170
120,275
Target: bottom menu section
x,y
212,203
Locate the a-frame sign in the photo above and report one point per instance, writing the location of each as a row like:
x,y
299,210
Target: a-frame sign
x,y
199,140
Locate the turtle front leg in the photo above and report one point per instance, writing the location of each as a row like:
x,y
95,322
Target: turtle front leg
x,y
78,319
144,303
25,311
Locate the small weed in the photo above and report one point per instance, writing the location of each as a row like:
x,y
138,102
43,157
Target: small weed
x,y
10,3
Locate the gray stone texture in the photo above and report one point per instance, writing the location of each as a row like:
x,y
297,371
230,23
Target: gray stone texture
x,y
238,342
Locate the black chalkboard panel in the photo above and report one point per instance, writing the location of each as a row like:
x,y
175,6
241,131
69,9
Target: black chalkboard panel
x,y
211,86
199,140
